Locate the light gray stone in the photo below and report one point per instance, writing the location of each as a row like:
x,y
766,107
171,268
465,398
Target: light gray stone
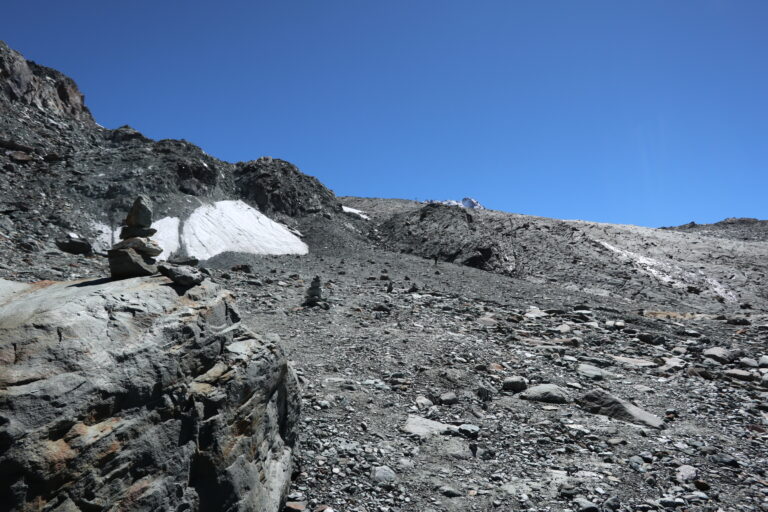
x,y
423,427
549,393
100,376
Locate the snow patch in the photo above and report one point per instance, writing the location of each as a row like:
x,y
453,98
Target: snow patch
x,y
167,236
212,229
671,275
355,211
235,226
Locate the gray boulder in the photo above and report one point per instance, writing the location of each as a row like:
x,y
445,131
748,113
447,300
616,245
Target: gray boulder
x,y
125,263
123,395
140,215
74,245
549,393
602,402
182,275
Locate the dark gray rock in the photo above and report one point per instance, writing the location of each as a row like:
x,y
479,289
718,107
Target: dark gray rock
x,y
74,245
122,395
514,384
181,275
549,393
383,474
719,354
134,232
602,402
314,296
277,186
140,214
125,263
144,246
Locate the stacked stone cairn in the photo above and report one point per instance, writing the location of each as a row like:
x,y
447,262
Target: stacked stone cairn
x,y
134,255
314,297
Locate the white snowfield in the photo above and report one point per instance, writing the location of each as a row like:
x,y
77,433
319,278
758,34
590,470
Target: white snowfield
x,y
167,236
355,211
235,226
216,228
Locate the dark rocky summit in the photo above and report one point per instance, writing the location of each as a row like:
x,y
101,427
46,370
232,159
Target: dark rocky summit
x,y
471,360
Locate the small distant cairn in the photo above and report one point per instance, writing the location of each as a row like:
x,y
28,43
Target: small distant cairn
x,y
314,297
134,255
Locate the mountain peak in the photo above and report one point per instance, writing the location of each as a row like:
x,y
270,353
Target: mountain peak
x,y
23,81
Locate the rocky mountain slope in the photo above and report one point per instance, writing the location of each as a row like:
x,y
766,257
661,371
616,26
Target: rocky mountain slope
x,y
463,359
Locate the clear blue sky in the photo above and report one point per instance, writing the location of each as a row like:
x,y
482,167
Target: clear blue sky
x,y
644,112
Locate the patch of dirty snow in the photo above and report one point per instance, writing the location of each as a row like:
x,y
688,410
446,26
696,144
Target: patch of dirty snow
x,y
235,226
167,236
670,274
355,211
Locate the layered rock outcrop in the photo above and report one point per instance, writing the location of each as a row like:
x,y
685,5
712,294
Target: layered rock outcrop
x,y
137,395
39,86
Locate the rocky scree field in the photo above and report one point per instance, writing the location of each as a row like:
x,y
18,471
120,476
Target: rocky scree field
x,y
464,360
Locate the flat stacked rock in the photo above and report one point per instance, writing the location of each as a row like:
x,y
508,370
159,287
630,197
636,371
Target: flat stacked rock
x,y
134,255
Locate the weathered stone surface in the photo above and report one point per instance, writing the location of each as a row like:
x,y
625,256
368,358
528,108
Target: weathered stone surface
x,y
602,402
140,215
74,245
515,384
423,427
125,263
548,393
123,395
140,245
593,372
181,274
719,354
132,232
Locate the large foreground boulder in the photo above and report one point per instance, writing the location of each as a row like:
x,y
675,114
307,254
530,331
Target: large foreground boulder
x,y
134,395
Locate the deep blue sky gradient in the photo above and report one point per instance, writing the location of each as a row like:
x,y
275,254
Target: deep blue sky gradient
x,y
644,112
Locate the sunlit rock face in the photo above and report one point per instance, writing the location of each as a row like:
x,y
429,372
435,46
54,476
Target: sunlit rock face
x,y
138,395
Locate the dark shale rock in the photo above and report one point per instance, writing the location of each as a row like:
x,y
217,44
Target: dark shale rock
x,y
74,245
181,274
602,402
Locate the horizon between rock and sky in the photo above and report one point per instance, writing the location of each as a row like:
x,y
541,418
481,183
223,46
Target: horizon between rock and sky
x,y
648,113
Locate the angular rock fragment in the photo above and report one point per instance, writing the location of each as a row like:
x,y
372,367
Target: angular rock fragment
x,y
548,393
593,372
125,263
140,245
423,427
181,274
73,245
602,402
719,354
140,215
514,384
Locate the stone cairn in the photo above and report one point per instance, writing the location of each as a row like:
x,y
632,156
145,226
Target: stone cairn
x,y
134,255
314,297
